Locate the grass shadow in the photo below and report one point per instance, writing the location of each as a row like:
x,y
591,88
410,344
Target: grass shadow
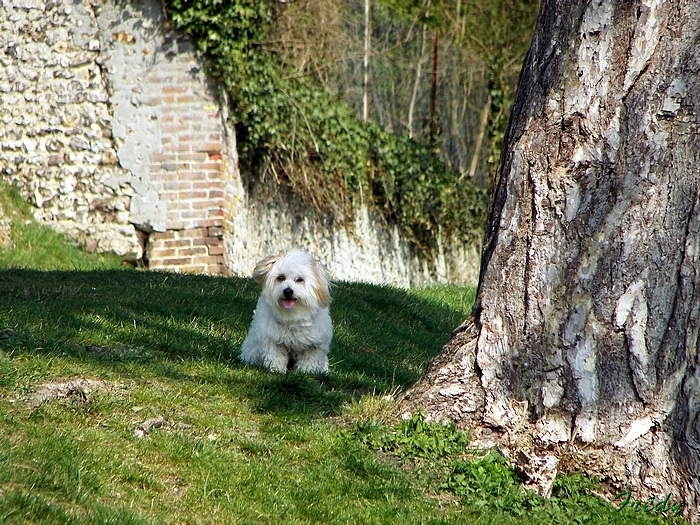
x,y
189,328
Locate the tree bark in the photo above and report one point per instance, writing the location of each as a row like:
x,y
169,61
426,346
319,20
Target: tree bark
x,y
480,137
583,343
368,50
416,84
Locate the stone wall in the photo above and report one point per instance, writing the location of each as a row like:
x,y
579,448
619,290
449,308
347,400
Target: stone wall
x,y
56,125
111,129
369,250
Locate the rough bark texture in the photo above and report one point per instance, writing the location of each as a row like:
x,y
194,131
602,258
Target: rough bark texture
x,y
585,334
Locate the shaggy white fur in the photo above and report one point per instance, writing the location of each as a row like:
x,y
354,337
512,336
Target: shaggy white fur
x,y
291,326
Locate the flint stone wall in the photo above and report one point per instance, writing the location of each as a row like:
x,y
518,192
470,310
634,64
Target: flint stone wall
x,y
56,140
111,129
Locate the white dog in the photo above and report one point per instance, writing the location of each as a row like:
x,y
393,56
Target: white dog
x,y
291,325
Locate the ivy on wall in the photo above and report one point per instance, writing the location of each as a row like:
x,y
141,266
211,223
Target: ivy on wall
x,y
292,129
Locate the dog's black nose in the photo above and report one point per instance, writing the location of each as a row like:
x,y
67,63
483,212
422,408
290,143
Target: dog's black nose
x,y
288,293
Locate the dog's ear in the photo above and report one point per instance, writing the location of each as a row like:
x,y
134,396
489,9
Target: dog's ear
x,y
263,268
323,280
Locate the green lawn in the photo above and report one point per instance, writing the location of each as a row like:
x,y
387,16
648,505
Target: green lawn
x,y
230,443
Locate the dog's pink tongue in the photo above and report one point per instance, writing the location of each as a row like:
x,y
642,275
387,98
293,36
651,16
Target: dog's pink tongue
x,y
288,303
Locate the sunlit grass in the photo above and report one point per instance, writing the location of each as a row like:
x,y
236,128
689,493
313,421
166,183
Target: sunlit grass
x,y
39,247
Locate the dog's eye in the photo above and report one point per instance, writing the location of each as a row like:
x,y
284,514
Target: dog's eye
x,y
280,278
299,280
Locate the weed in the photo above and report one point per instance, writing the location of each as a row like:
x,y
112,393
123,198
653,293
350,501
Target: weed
x,y
415,438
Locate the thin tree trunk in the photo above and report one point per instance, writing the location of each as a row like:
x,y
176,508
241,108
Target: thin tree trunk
x,y
368,48
583,347
416,84
433,97
480,137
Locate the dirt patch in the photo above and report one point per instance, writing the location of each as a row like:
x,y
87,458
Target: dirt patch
x,y
141,429
80,390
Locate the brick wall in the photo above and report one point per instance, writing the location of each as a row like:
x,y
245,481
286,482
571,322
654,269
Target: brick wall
x,y
188,172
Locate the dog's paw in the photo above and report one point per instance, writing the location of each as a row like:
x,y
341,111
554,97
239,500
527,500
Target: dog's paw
x,y
313,363
276,364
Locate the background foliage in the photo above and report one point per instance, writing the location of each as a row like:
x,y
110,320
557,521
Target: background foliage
x,y
280,65
496,34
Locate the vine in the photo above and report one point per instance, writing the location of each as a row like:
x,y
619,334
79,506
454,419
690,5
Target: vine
x,y
292,129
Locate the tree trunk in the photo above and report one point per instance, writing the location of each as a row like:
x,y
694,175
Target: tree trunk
x,y
416,84
480,137
583,343
433,91
368,50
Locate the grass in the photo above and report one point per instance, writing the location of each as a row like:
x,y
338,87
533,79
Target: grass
x,y
41,248
233,444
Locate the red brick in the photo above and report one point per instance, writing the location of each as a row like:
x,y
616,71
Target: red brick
x,y
163,157
208,222
205,259
185,99
192,195
206,241
154,101
191,215
175,261
212,147
214,178
175,127
162,235
178,205
175,88
155,79
201,205
191,157
195,250
193,233
174,187
170,167
179,243
200,183
207,166
158,253
189,171
193,120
